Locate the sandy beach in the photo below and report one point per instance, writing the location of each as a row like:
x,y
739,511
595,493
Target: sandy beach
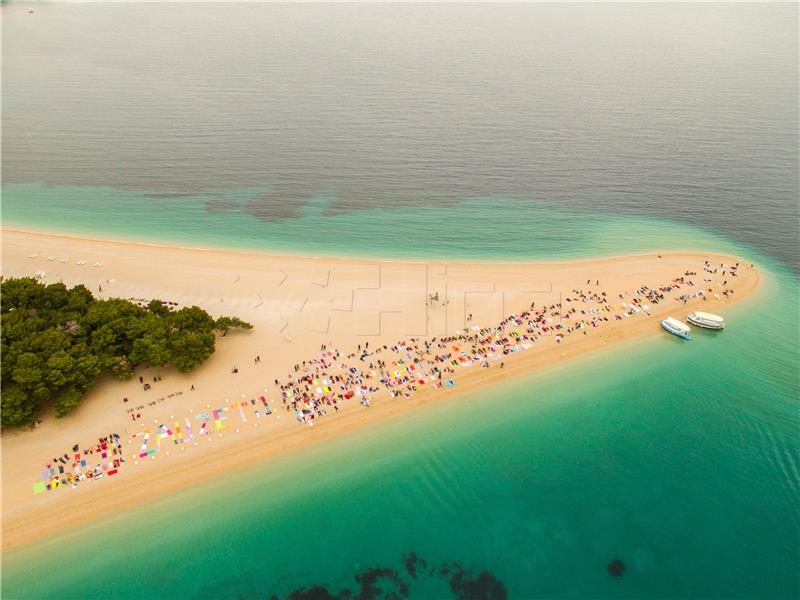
x,y
302,307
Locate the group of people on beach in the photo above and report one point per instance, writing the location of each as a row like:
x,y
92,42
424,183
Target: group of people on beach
x,y
322,384
88,463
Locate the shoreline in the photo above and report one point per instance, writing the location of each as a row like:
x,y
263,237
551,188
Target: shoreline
x,y
289,254
25,522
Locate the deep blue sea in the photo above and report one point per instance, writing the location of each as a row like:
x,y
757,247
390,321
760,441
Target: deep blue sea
x,y
491,132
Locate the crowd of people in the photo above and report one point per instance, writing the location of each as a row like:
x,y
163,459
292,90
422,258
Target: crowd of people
x,y
324,382
321,385
87,463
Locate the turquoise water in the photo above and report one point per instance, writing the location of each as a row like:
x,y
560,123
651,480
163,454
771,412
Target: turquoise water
x,y
482,228
682,460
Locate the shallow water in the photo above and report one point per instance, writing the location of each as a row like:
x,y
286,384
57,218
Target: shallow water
x,y
486,229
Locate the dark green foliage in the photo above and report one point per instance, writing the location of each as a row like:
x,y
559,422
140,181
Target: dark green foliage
x,y
225,323
57,341
17,405
158,308
189,349
66,400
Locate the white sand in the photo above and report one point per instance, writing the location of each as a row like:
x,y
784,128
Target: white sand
x,y
295,304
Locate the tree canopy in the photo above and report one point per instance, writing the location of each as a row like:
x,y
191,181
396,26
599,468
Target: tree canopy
x,y
57,341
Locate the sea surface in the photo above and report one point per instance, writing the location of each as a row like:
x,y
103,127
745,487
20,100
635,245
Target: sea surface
x,y
503,132
229,123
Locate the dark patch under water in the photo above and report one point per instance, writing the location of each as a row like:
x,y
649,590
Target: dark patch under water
x,y
387,583
485,586
411,562
616,568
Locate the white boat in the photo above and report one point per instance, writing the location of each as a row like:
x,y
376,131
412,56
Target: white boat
x,y
675,327
706,320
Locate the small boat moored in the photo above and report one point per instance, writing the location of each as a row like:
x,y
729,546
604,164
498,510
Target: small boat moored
x,y
676,327
706,320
